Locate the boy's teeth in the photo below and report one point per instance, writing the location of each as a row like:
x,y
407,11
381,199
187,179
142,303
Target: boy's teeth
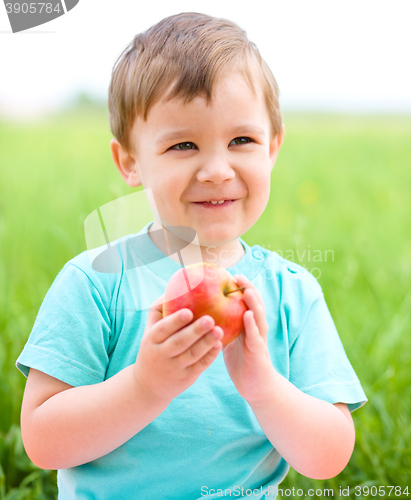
x,y
215,202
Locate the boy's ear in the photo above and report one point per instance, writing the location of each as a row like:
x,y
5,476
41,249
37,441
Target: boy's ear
x,y
125,163
275,145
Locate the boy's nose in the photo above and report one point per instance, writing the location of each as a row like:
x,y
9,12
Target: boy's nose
x,y
216,170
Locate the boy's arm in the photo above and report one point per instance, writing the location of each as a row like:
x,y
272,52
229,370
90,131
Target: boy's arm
x,y
64,426
314,437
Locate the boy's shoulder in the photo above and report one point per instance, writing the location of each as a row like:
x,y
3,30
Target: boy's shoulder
x,y
103,264
286,272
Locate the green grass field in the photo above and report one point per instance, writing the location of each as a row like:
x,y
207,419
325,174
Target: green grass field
x,y
340,205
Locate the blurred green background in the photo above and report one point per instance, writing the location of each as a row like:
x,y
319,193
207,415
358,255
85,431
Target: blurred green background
x,y
340,206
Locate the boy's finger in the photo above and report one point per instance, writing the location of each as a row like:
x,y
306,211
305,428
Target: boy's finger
x,y
197,368
243,281
165,327
155,313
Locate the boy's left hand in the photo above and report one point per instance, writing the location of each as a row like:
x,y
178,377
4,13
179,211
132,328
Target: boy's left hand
x,y
247,358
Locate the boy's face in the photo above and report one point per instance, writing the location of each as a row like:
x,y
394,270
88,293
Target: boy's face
x,y
221,152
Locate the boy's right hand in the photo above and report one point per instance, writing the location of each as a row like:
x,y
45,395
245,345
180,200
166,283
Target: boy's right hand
x,y
173,353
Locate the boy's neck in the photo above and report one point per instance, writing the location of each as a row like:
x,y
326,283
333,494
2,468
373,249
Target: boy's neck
x,y
226,255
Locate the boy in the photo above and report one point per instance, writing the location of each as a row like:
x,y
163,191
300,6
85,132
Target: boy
x,y
127,404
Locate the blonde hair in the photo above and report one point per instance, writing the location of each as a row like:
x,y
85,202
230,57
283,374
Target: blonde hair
x,y
193,50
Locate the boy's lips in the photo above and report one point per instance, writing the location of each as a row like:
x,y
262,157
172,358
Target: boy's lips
x,y
209,205
228,198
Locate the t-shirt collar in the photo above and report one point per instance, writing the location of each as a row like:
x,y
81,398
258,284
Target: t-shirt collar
x,y
164,267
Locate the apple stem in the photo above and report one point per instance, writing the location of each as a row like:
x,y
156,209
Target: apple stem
x,y
236,290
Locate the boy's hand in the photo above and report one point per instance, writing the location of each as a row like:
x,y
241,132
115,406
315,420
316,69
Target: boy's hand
x,y
247,358
173,353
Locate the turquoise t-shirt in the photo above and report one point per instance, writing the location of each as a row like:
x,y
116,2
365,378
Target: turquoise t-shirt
x,y
208,440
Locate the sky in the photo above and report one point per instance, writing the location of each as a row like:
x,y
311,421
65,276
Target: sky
x,y
326,55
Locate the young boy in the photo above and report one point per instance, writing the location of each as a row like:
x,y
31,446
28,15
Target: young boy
x,y
128,404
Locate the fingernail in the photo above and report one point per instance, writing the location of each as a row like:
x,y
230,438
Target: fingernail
x,y
216,333
185,315
205,322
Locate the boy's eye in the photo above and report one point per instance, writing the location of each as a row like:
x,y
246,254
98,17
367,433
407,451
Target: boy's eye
x,y
182,146
242,140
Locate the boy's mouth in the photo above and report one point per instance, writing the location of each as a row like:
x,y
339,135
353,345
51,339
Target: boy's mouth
x,y
214,204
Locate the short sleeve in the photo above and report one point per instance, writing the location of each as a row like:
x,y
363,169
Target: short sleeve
x,y
70,337
319,365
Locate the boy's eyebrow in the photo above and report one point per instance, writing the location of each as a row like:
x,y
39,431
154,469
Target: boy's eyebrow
x,y
176,134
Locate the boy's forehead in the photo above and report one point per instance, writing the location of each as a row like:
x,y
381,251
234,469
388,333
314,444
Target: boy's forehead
x,y
225,83
229,92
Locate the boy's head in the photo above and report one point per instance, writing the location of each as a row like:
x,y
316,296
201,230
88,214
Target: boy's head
x,y
199,74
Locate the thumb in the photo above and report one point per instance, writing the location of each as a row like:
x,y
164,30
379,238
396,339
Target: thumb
x,y
155,312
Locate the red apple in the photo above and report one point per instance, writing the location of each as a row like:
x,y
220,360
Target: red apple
x,y
213,292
